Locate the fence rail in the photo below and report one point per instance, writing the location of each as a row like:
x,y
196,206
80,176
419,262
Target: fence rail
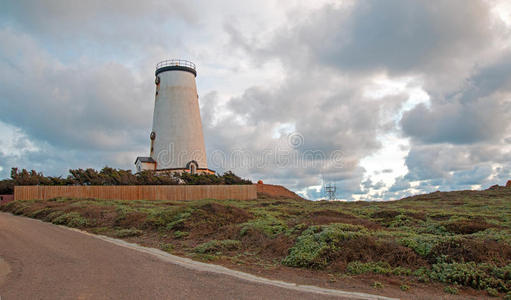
x,y
138,192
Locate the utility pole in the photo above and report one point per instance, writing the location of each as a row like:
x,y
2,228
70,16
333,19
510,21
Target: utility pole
x,y
330,191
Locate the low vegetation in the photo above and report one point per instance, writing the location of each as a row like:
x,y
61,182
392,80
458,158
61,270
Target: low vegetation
x,y
217,247
457,242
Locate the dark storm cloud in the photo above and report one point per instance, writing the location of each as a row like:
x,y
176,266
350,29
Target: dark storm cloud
x,y
447,167
479,111
433,162
458,123
91,19
394,36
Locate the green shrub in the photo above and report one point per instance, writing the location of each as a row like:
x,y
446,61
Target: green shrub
x,y
404,287
180,234
72,219
314,246
269,225
122,212
200,179
478,276
100,230
206,257
111,176
492,292
498,235
7,187
421,244
357,267
378,285
167,247
53,215
215,246
19,208
10,206
62,199
433,228
422,274
451,290
169,218
78,222
298,228
401,221
178,220
128,232
40,212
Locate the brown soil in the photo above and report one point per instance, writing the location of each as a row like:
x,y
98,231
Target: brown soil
x,y
367,249
440,217
417,216
468,226
389,215
471,250
132,219
385,214
210,217
323,217
275,192
274,248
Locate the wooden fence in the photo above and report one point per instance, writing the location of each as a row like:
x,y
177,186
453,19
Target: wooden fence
x,y
138,192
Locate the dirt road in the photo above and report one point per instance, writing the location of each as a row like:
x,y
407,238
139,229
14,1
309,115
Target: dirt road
x,y
44,261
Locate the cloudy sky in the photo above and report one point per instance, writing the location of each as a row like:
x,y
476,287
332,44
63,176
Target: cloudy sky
x,y
383,98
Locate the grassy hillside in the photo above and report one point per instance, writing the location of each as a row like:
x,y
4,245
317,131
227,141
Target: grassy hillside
x,y
450,243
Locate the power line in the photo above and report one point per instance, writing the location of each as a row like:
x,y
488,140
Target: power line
x,y
330,191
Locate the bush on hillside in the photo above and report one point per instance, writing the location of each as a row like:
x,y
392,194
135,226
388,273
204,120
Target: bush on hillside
x,y
215,246
479,276
6,187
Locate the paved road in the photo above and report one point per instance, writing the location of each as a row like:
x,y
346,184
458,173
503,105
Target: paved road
x,y
44,261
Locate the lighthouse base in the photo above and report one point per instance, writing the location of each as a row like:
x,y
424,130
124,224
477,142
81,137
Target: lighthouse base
x,y
143,163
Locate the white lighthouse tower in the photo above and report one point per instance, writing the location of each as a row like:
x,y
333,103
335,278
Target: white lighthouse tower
x,y
177,141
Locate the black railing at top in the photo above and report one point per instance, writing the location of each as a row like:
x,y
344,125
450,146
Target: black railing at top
x,y
175,62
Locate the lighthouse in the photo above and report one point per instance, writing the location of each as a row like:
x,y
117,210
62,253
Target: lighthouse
x,y
176,139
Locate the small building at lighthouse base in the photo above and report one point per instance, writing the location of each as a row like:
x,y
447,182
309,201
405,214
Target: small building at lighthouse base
x,y
147,163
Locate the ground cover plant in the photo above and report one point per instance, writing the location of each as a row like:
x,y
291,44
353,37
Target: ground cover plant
x,y
456,242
